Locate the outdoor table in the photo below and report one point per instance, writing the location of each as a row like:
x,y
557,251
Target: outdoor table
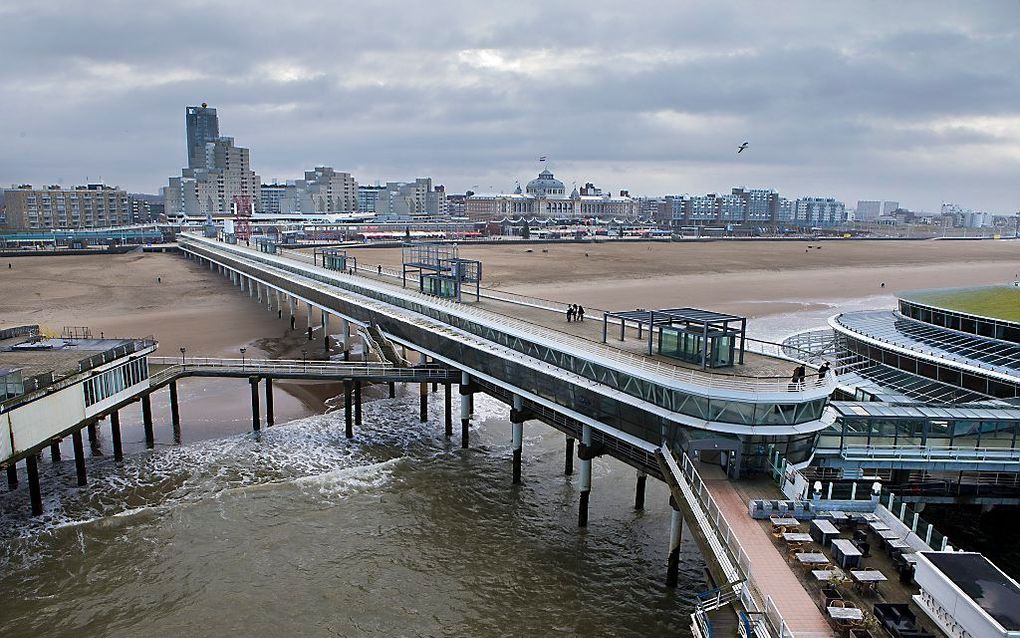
x,y
888,535
812,558
784,522
899,543
823,531
796,537
910,558
867,575
870,516
878,526
823,575
839,517
845,554
845,613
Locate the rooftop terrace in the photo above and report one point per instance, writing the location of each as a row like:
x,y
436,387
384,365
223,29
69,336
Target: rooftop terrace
x,y
993,302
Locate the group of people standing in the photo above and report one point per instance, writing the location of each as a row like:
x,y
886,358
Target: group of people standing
x,y
575,312
800,373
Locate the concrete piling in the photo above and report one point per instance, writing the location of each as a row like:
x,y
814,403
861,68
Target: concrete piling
x,y
357,403
585,483
448,409
256,421
270,417
150,439
639,492
175,412
676,525
12,476
79,458
517,436
393,389
348,416
34,493
568,457
465,408
55,451
118,450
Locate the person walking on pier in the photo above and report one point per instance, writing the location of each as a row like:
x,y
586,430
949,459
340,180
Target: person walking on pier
x,y
293,321
580,312
799,373
823,371
570,313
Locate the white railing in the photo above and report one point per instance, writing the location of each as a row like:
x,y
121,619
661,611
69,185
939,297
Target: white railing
x,y
176,366
566,342
950,453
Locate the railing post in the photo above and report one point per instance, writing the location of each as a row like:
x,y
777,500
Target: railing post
x,y
853,491
903,511
927,535
913,527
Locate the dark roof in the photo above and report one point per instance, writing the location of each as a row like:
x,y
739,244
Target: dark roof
x,y
985,583
666,315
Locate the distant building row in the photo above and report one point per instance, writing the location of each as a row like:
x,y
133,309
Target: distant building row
x,y
219,179
88,206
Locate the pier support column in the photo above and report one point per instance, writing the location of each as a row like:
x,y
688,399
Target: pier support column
x,y
325,331
34,494
465,408
293,311
93,433
12,476
423,393
345,334
279,306
568,457
55,451
517,436
270,417
357,403
175,412
393,389
256,421
251,288
585,484
258,292
676,526
150,439
79,458
448,409
348,417
639,492
311,313
118,450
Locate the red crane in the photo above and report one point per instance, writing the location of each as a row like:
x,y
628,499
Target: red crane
x,y
242,217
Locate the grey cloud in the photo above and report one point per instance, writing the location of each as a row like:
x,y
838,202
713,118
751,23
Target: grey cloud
x,y
861,101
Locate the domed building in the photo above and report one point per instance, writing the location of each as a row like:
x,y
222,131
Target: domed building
x,y
546,185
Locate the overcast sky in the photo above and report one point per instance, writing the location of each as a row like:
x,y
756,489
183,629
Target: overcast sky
x,y
917,102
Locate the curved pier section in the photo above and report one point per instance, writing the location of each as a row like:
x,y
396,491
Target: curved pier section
x,y
626,396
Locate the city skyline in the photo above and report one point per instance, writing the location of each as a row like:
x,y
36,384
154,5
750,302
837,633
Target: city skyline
x,y
922,108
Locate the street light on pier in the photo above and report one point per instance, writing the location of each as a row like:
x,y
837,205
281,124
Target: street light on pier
x,y
183,350
243,350
304,360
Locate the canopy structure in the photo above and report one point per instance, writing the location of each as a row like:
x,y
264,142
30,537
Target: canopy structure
x,y
689,334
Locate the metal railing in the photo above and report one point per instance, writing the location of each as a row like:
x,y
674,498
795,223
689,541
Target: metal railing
x,y
177,366
915,453
566,342
116,353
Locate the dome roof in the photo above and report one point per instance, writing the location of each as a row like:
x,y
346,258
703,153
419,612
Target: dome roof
x,y
545,183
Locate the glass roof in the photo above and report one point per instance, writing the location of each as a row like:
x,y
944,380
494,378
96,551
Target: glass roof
x,y
946,344
889,384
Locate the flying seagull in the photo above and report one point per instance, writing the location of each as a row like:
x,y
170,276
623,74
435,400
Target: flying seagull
x,y
740,149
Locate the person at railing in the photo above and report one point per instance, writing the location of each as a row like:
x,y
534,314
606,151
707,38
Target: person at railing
x,y
580,312
823,370
570,313
797,380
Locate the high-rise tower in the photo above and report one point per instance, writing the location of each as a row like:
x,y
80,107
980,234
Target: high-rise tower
x,y
203,127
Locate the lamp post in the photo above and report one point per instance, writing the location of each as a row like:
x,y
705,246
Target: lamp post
x,y
243,350
183,350
304,360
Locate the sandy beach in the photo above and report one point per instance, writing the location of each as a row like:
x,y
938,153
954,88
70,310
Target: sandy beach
x,y
748,278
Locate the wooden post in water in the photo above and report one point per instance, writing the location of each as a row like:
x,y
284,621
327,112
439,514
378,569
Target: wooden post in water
x,y
79,458
118,450
150,441
55,451
270,417
256,420
12,476
393,389
94,448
